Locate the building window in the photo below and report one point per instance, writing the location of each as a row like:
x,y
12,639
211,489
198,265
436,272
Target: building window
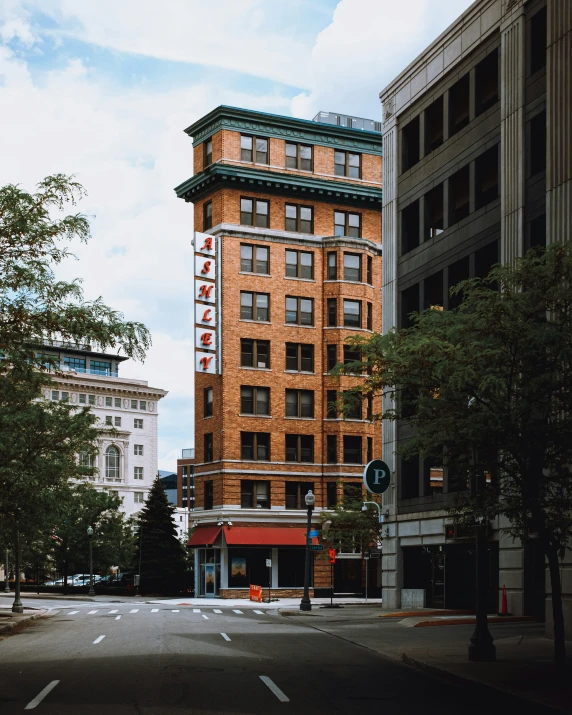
x,y
207,215
331,495
369,450
208,402
137,472
138,423
208,495
254,306
351,354
254,259
332,266
369,408
433,291
369,270
299,448
352,267
352,493
138,450
74,363
369,316
459,196
410,144
299,156
409,473
487,177
112,463
352,313
299,403
433,224
538,41
100,367
117,401
300,357
138,497
254,495
535,233
108,401
487,83
331,405
459,105
352,449
299,311
254,212
332,449
299,264
347,224
347,164
332,312
537,143
253,149
434,125
133,404
299,218
409,304
143,405
108,420
410,227
82,399
255,446
65,396
91,399
86,460
117,421
331,356
208,447
254,400
353,407
295,493
208,152
255,353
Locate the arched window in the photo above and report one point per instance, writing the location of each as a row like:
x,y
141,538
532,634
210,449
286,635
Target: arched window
x,y
112,463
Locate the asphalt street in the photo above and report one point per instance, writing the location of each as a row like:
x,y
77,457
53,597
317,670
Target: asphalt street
x,y
154,659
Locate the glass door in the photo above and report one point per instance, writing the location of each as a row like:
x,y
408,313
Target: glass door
x,y
209,572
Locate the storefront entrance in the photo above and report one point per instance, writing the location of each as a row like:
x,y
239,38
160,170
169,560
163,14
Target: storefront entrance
x,y
348,576
209,572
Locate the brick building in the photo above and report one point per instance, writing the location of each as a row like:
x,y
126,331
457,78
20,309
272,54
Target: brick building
x,y
287,266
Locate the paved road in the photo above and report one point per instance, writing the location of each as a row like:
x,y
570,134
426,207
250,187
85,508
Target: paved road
x,y
151,659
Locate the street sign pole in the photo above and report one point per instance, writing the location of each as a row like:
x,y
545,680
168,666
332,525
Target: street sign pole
x,y
332,555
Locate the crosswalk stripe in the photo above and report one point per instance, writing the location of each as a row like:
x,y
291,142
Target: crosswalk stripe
x,y
216,610
134,610
92,612
235,611
114,611
196,610
176,611
117,618
205,617
154,610
72,613
261,613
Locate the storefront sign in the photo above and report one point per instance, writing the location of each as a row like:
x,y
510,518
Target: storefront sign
x,y
207,307
256,593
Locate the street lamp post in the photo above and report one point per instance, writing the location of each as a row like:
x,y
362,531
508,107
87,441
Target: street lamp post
x,y
305,603
140,558
17,606
91,591
7,575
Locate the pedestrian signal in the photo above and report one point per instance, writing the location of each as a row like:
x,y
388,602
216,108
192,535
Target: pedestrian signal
x,y
332,554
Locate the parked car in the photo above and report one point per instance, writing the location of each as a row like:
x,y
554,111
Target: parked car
x,y
119,580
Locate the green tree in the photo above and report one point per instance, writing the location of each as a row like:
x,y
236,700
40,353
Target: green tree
x,y
348,527
160,553
487,388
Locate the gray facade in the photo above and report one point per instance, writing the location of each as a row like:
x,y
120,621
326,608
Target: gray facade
x,y
477,147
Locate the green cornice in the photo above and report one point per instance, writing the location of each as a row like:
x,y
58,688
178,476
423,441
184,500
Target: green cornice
x,y
275,125
273,182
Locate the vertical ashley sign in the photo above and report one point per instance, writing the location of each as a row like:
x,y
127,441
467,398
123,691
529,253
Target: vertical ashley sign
x,y
206,313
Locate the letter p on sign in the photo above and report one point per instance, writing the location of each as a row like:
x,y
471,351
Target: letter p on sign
x,y
376,477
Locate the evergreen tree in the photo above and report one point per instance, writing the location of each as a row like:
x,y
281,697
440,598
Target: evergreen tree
x,y
159,551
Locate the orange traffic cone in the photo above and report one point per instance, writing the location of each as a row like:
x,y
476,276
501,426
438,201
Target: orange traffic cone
x,y
504,608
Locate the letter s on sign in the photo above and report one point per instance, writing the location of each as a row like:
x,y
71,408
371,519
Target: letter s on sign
x,y
206,268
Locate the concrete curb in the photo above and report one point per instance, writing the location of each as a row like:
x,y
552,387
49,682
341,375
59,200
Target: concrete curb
x,y
47,596
6,627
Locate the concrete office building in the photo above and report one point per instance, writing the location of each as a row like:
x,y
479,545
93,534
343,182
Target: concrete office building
x,y
477,148
287,265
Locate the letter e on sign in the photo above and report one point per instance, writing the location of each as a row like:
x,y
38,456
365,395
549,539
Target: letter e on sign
x,y
205,339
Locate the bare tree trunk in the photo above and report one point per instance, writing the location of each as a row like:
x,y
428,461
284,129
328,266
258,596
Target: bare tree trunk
x,y
557,613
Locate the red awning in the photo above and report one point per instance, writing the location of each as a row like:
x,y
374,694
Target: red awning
x,y
204,536
260,536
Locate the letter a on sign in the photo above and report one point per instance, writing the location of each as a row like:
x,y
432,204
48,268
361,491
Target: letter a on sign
x,y
205,243
376,477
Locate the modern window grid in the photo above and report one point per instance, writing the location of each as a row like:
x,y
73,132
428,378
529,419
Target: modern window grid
x,y
137,472
299,264
207,215
254,306
332,265
299,218
100,367
347,224
254,400
208,402
254,259
347,164
299,403
255,446
253,149
75,363
352,267
255,353
254,212
299,156
299,311
300,357
299,448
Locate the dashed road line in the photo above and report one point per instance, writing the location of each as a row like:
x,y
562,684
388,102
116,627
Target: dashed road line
x,y
274,688
72,613
236,611
114,611
98,640
216,610
154,610
174,611
260,613
196,610
117,618
205,617
90,613
41,695
134,610
225,636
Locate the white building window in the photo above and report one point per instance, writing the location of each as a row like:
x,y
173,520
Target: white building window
x,y
142,405
91,399
112,463
138,450
55,395
108,402
108,420
82,398
85,460
138,497
117,421
138,423
118,402
138,473
133,404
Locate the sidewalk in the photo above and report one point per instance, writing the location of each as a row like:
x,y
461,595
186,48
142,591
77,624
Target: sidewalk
x,y
11,620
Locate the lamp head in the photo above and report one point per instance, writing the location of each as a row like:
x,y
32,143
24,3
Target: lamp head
x,y
364,508
310,499
90,531
229,523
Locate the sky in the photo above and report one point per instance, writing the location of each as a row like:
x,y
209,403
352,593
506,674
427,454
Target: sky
x,y
103,89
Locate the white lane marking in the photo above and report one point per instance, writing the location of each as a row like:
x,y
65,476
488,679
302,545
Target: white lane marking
x,y
205,617
72,613
38,699
216,610
225,636
275,689
260,613
90,613
174,611
98,640
235,611
117,618
134,610
114,611
154,610
196,610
